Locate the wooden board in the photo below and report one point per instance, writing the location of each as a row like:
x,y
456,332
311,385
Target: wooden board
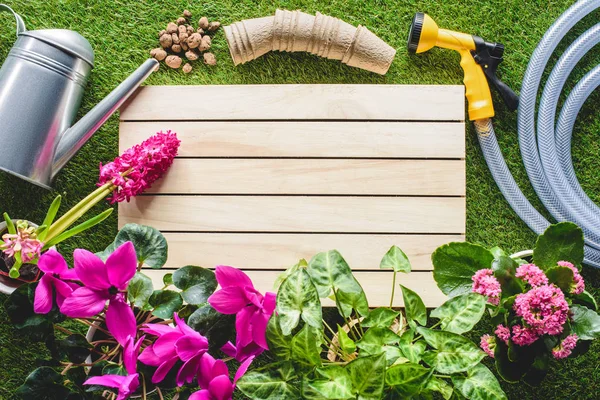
x,y
270,174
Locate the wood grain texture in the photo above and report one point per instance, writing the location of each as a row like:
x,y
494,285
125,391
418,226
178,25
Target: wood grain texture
x,y
280,250
308,177
377,285
298,102
297,214
357,139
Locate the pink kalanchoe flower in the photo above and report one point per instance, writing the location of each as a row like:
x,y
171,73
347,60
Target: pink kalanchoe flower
x,y
213,378
486,284
253,310
488,344
524,336
503,333
532,274
55,270
104,282
579,285
128,384
140,166
173,344
543,308
565,348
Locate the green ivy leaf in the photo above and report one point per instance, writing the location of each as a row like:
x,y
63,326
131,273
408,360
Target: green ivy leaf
x,y
43,383
585,323
345,342
368,376
395,259
408,379
461,313
216,327
333,383
412,351
413,306
562,277
139,290
505,269
441,386
479,384
271,382
329,271
165,303
75,347
560,242
280,345
382,317
196,283
298,298
306,347
454,353
150,245
455,263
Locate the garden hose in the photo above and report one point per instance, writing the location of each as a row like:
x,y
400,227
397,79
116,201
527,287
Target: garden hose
x,y
547,155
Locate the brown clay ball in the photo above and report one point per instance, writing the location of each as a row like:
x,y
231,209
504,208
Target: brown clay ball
x,y
213,26
191,55
187,68
190,29
194,40
209,59
181,21
181,29
173,61
171,27
205,43
162,33
158,54
187,14
166,40
175,38
200,31
184,46
176,48
203,23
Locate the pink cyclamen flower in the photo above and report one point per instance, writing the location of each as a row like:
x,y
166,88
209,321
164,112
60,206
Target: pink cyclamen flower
x,y
126,384
140,166
104,282
579,283
173,344
503,333
532,274
565,348
55,269
253,310
486,284
488,344
213,378
524,336
543,308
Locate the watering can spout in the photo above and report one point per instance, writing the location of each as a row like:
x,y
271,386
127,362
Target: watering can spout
x,y
76,136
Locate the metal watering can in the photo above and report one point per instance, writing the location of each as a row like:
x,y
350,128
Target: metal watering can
x,y
41,87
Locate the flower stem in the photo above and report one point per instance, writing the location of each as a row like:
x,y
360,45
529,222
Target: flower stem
x,y
62,329
393,289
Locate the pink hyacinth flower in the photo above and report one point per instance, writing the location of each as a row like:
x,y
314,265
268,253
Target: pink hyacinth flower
x,y
579,283
486,284
532,274
128,384
543,308
104,282
173,344
213,378
55,270
488,344
565,348
253,310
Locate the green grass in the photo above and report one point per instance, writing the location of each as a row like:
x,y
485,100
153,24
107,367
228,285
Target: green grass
x,y
122,31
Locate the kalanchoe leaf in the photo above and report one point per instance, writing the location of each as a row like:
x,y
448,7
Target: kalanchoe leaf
x,y
150,245
504,270
368,376
139,290
332,382
395,259
497,252
306,347
271,382
585,323
407,379
454,353
196,283
480,383
215,326
585,299
75,347
382,317
562,277
43,383
280,345
455,263
461,313
298,298
165,303
512,371
560,242
538,370
414,306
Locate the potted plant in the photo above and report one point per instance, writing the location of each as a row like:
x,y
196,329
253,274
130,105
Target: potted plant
x,y
127,176
540,309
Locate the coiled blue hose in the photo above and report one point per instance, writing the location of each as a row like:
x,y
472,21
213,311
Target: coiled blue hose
x,y
547,155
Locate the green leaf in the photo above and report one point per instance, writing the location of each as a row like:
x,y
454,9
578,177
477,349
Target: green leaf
x,y
586,299
84,226
168,279
560,242
374,340
441,386
538,370
585,323
75,347
562,277
271,382
43,383
382,317
395,259
10,226
455,263
306,347
280,345
329,271
298,298
165,303
335,385
150,245
497,252
216,327
139,290
454,353
414,306
407,379
412,351
505,269
50,215
479,384
347,344
368,376
196,283
461,313
523,358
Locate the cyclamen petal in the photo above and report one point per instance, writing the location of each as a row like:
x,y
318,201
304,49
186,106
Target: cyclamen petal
x,y
190,345
188,371
163,369
42,302
121,265
91,270
157,329
229,300
130,354
242,369
203,394
221,388
230,276
120,320
84,303
113,381
52,262
164,346
148,357
259,329
62,290
270,302
243,327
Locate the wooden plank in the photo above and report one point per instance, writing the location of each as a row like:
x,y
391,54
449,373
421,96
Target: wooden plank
x,y
297,214
297,102
306,139
281,250
377,286
323,177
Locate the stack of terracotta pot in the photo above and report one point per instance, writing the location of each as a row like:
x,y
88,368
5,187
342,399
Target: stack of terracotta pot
x,y
321,35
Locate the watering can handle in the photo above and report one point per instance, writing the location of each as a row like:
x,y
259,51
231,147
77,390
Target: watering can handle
x,y
20,24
